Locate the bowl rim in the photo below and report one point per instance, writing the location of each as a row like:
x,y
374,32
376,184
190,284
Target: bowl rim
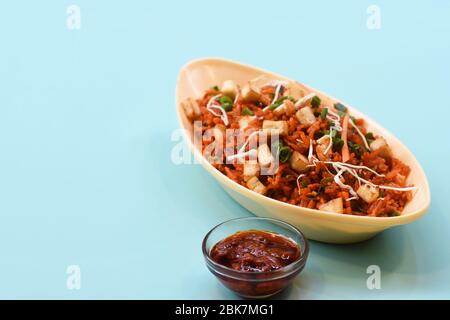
x,y
283,272
311,213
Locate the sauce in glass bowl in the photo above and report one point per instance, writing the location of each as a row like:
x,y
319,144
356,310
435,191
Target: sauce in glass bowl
x,y
255,251
252,262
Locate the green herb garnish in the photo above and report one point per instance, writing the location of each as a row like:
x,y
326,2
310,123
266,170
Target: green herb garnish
x,y
247,112
315,102
285,154
225,99
279,102
215,88
282,152
227,103
227,106
340,107
356,148
369,137
338,143
323,113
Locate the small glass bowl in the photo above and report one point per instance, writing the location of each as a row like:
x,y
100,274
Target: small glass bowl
x,y
255,285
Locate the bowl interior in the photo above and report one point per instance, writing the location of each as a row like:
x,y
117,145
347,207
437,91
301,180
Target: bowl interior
x,y
197,76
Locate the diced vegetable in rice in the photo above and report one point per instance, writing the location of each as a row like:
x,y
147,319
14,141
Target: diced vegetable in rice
x,y
302,149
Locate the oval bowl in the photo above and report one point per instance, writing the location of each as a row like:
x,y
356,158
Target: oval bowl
x,y
198,75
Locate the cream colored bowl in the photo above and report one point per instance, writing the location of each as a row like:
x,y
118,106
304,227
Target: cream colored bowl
x,y
198,75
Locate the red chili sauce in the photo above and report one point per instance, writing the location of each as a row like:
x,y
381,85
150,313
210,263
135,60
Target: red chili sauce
x,y
255,251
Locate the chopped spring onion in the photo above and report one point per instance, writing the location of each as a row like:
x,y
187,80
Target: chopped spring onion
x,y
315,102
369,138
338,143
225,99
285,154
355,148
340,107
281,151
278,103
275,105
227,107
247,112
227,103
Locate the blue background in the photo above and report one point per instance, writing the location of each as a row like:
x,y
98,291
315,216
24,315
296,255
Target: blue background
x,y
86,118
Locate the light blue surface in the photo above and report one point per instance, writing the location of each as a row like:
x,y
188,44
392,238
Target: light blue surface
x,y
85,124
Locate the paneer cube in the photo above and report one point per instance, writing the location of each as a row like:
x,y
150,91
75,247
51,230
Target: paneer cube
x,y
251,169
298,162
275,127
250,93
256,185
229,88
335,205
381,145
265,157
368,193
306,116
191,108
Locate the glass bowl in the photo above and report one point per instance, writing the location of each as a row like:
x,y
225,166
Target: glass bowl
x,y
255,285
